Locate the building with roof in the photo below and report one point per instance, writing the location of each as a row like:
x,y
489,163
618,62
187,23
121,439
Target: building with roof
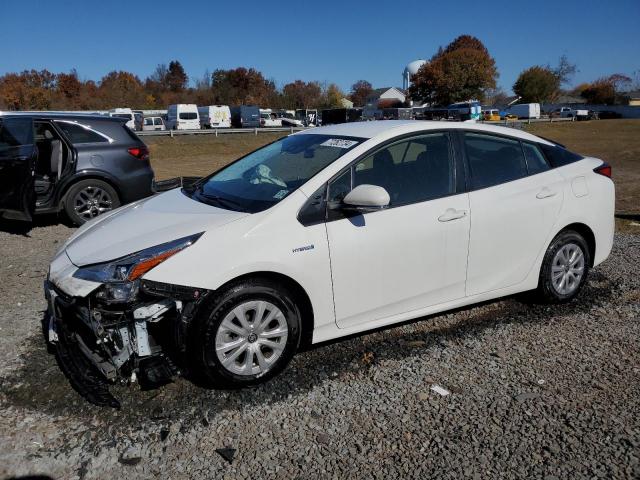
x,y
386,95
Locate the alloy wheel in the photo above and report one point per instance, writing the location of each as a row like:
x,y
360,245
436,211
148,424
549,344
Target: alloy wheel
x,y
567,269
251,338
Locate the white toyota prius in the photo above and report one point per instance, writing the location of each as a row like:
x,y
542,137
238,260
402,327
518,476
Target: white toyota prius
x,y
322,234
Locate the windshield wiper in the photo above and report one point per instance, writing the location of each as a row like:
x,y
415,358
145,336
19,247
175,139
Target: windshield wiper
x,y
221,200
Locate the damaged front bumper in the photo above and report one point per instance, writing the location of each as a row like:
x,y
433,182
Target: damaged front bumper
x,y
100,343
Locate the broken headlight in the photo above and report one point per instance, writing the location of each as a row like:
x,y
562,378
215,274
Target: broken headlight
x,y
120,277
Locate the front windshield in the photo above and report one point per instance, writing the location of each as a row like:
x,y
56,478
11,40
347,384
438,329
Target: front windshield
x,y
266,176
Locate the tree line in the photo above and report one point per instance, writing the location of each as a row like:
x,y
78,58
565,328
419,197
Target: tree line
x,y
461,71
168,84
465,70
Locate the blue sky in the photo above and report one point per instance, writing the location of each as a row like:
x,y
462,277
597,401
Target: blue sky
x,y
332,41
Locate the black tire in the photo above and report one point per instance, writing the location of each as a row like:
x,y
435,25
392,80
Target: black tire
x,y
206,365
546,291
72,198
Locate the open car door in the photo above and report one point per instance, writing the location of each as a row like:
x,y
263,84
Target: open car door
x,y
18,157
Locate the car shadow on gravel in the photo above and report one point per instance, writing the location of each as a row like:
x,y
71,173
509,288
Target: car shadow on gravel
x,y
17,227
39,385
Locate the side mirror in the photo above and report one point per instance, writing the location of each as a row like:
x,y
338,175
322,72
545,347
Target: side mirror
x,y
366,198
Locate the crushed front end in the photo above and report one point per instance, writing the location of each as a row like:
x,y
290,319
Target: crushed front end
x,y
117,327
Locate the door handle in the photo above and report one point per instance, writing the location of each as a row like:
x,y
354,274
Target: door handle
x,y
545,193
452,214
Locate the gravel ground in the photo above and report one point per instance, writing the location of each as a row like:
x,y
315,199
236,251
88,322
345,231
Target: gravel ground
x,y
536,392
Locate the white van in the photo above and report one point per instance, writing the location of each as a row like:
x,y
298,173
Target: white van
x,y
183,116
124,113
153,123
215,116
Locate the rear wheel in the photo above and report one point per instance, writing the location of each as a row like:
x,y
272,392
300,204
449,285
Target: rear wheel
x,y
247,335
564,268
88,199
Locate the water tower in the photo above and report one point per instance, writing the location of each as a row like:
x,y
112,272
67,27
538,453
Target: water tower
x,y
409,71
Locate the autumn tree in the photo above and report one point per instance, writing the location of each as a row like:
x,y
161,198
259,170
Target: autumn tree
x,y
359,92
601,91
176,78
299,94
462,71
537,84
68,86
565,70
29,90
332,96
241,86
119,88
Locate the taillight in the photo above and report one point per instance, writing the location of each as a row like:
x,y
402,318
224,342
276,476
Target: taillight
x,y
141,153
604,169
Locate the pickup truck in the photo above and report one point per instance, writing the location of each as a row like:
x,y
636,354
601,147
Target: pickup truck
x,y
568,112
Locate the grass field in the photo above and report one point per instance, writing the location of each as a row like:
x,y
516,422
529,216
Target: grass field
x,y
198,155
615,141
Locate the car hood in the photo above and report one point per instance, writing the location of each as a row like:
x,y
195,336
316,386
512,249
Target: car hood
x,y
155,220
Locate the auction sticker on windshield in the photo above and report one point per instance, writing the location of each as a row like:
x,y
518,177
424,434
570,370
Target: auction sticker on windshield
x,y
338,142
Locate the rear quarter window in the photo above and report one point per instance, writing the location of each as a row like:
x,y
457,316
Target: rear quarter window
x,y
78,134
559,156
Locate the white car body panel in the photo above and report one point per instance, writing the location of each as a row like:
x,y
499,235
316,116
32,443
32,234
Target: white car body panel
x,y
366,256
268,241
509,228
157,220
414,266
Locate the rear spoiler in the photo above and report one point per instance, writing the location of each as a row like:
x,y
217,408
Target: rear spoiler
x,y
552,141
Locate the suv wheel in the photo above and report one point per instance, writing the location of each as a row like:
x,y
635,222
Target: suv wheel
x,y
564,268
247,335
88,199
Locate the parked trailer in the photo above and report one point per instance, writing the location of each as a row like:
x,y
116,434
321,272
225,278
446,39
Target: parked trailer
x,y
341,115
431,113
397,113
308,117
525,110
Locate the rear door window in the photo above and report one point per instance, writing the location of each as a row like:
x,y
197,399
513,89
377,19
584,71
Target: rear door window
x,y
157,121
78,134
188,116
493,160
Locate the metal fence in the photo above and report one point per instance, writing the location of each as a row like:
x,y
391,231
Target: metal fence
x,y
218,131
256,131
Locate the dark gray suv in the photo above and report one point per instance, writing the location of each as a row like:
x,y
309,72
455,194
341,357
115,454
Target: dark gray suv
x,y
83,164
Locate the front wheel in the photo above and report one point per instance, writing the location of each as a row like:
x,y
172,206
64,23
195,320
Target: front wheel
x,y
247,335
564,268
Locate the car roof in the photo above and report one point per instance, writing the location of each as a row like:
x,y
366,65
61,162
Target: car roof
x,y
64,116
374,128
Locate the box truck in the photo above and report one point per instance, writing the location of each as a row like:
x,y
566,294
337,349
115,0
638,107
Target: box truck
x,y
525,110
